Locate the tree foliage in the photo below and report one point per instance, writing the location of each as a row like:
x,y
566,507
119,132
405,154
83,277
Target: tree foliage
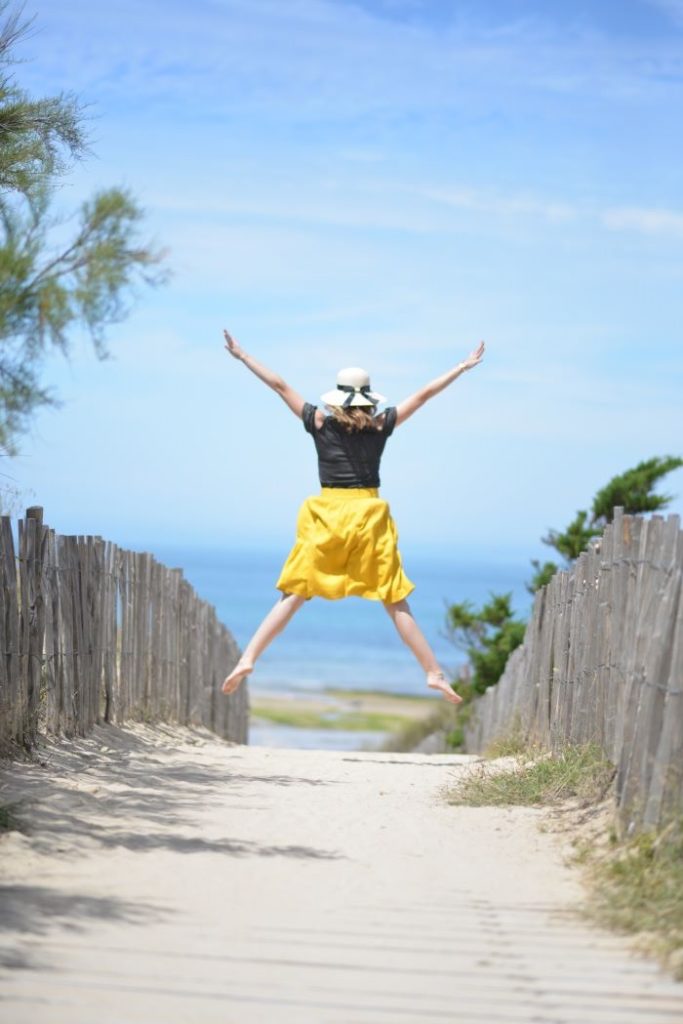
x,y
54,276
488,635
632,490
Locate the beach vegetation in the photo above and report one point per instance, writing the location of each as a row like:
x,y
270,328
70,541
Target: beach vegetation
x,y
334,718
634,883
441,719
352,710
61,270
538,776
511,743
636,887
632,490
487,635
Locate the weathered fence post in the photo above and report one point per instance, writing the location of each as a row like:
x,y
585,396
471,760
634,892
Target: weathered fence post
x,y
32,616
92,633
603,653
12,708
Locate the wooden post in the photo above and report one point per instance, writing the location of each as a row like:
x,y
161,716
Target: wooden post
x,y
105,634
33,614
11,702
51,720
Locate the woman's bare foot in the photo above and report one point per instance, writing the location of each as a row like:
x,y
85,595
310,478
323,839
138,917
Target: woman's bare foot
x,y
231,682
438,681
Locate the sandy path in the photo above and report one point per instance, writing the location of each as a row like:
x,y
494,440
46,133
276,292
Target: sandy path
x,y
172,878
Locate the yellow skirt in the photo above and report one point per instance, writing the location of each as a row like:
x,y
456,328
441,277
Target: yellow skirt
x,y
346,545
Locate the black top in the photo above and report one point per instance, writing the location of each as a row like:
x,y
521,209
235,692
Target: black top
x,y
348,458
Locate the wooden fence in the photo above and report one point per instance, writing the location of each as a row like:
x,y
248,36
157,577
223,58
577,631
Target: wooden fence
x,y
93,633
602,661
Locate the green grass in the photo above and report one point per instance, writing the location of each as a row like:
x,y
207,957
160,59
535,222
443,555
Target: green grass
x,y
334,691
352,721
410,733
539,778
636,888
510,744
635,885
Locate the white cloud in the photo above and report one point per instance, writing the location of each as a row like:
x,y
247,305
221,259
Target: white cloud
x,y
344,204
365,205
649,221
345,188
500,204
316,59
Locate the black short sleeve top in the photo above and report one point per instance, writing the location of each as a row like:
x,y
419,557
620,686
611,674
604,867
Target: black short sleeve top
x,y
348,458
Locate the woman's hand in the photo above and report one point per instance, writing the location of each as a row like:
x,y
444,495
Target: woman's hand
x,y
474,357
231,345
416,401
273,380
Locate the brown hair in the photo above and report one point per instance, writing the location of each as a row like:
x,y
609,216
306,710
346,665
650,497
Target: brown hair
x,y
355,417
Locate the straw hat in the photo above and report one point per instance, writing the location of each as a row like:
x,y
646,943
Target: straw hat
x,y
353,388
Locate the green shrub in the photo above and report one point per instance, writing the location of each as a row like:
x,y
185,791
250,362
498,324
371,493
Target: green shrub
x,y
539,777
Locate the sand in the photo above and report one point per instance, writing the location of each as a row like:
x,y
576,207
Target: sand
x,y
162,874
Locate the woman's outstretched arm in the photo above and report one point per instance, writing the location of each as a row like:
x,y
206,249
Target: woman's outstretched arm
x,y
273,380
412,404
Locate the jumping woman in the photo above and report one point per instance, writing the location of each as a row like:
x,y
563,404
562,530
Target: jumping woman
x,y
346,539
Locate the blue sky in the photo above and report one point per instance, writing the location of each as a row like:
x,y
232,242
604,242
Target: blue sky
x,y
379,183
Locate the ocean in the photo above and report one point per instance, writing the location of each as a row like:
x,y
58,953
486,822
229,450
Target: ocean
x,y
351,643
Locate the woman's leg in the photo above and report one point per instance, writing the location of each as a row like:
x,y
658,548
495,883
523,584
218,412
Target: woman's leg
x,y
274,622
411,634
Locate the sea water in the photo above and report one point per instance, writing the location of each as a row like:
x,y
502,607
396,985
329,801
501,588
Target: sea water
x,y
351,644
